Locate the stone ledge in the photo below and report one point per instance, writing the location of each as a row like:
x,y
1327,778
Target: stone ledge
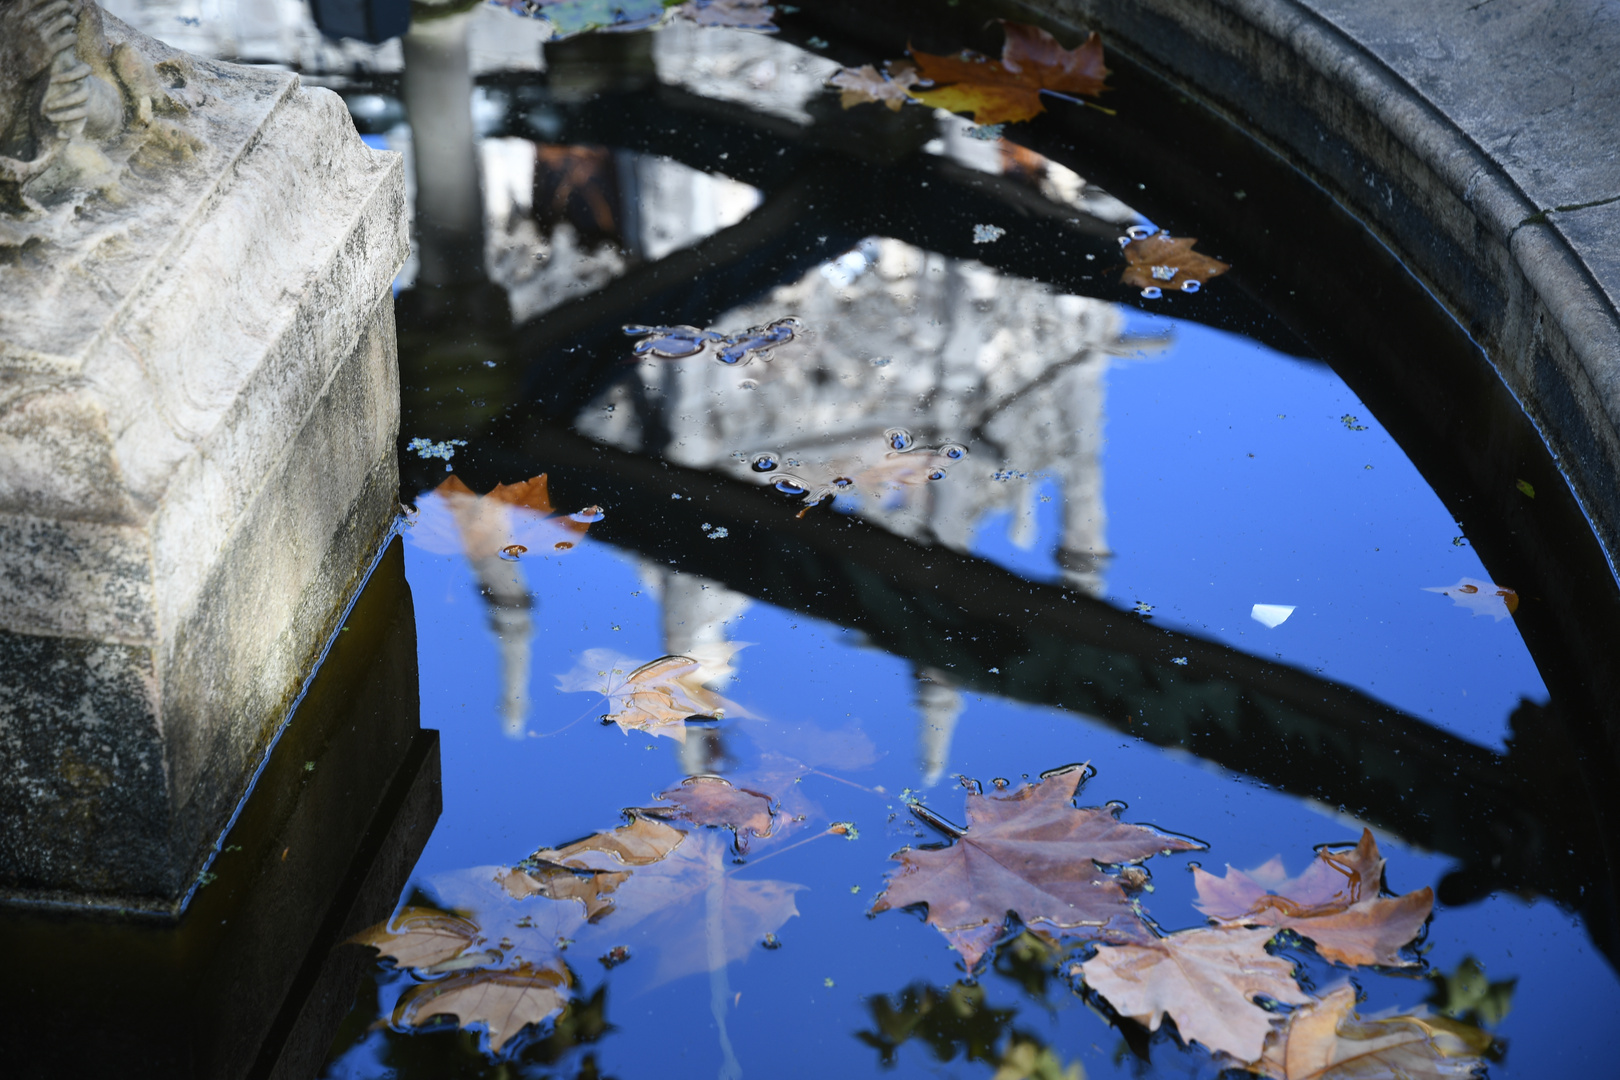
x,y
1438,155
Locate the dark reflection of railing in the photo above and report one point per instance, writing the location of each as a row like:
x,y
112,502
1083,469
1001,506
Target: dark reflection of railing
x,y
247,983
1535,819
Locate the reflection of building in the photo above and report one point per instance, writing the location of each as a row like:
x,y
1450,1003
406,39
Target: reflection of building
x,y
902,338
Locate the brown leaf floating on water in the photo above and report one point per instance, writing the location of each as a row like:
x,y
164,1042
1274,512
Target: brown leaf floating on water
x,y
517,515
657,697
1009,89
1204,980
1163,261
713,801
591,870
1033,853
1328,1041
1335,903
504,1000
420,937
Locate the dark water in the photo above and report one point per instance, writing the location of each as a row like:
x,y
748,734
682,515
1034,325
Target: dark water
x,y
1124,481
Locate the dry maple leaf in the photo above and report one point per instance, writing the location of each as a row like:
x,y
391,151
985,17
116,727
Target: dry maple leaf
x,y
1008,90
420,937
1481,597
504,1000
1033,853
1328,1041
1335,903
592,869
1205,980
1163,261
657,697
511,518
857,86
713,801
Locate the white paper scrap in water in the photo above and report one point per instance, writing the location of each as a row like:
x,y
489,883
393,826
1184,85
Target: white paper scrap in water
x,y
1272,615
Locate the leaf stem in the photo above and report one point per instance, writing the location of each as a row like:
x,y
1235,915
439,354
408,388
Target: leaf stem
x,y
1080,101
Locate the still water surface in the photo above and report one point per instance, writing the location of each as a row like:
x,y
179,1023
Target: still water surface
x,y
1114,472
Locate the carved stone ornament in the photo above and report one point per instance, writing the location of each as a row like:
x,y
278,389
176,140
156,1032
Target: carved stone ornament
x,y
78,113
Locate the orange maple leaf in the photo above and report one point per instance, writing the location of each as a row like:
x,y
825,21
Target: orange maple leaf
x,y
1008,90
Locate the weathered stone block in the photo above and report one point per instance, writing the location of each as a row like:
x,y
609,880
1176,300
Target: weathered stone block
x,y
198,416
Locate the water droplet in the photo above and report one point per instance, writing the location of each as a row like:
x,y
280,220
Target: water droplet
x,y
953,451
1190,285
842,482
747,384
971,784
1139,232
899,438
511,552
1116,806
563,545
772,942
880,361
936,474
763,463
1195,865
1000,783
606,720
792,485
589,515
1152,292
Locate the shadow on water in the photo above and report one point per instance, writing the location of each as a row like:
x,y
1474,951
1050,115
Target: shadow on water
x,y
247,982
1536,820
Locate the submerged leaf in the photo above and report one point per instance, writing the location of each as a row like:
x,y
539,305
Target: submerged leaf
x,y
1204,980
713,801
857,86
1163,261
1335,903
504,1000
1481,597
1007,90
1328,1041
1029,852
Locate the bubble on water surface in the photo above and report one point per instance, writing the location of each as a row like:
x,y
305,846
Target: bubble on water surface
x,y
1000,783
936,474
1152,292
842,482
764,463
953,451
1139,232
792,485
1190,285
899,439
511,552
589,515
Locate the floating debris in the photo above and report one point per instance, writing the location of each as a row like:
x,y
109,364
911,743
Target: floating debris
x,y
1153,257
988,234
680,342
444,451
986,132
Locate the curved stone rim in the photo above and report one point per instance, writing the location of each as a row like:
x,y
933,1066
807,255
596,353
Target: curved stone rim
x,y
1526,293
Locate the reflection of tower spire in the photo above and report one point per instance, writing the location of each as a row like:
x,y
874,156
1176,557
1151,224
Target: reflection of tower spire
x,y
939,704
696,611
505,589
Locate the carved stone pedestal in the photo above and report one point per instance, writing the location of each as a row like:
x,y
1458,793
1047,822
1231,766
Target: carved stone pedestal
x,y
198,414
